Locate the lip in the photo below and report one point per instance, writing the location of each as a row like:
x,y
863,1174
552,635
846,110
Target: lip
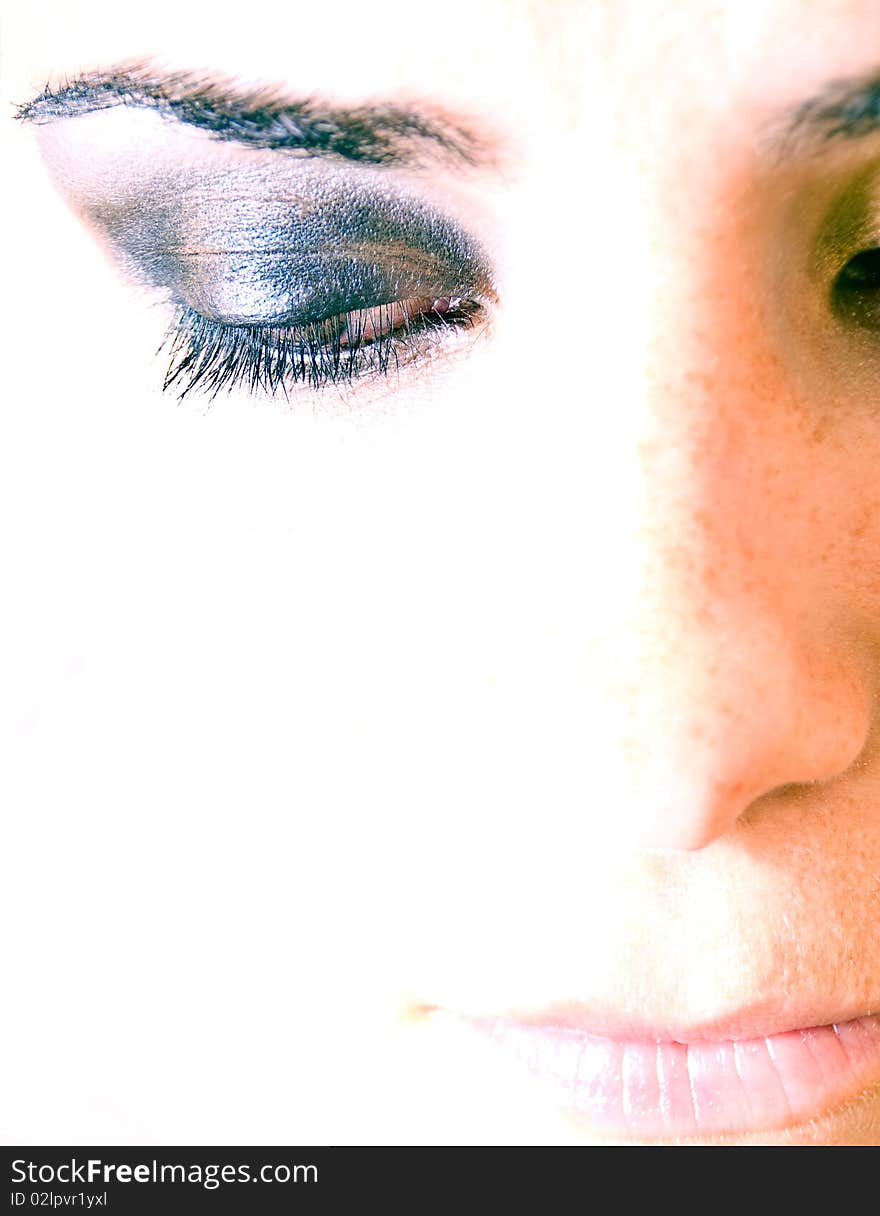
x,y
638,1085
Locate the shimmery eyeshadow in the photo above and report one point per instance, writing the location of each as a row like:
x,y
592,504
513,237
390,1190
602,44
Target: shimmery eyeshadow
x,y
266,255
286,247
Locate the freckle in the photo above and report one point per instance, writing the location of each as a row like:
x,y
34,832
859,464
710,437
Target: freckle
x,y
747,548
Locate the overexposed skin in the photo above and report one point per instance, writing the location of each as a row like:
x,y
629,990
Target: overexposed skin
x,y
545,674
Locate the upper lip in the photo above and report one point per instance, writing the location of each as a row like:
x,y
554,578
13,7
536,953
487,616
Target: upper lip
x,y
763,1019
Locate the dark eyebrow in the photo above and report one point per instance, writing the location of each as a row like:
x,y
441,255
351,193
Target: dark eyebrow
x,y
843,110
265,118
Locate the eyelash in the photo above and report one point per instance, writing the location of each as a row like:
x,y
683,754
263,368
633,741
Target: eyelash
x,y
212,356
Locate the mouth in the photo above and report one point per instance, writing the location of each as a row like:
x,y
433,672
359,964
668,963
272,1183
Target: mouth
x,y
635,1085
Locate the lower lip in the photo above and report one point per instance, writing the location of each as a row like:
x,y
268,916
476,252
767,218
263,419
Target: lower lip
x,y
668,1088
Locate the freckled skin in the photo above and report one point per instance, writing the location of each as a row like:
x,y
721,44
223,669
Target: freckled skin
x,y
545,673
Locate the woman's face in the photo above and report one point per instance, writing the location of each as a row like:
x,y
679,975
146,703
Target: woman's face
x,y
515,706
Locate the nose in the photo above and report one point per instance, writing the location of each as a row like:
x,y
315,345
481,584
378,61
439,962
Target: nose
x,y
728,672
723,716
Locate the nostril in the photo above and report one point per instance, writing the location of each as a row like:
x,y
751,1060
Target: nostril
x,y
779,718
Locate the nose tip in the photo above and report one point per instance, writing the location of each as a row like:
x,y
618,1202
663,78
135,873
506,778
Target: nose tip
x,y
731,736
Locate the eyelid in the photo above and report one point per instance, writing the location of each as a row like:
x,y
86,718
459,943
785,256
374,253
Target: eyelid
x,y
270,244
297,287
270,224
849,225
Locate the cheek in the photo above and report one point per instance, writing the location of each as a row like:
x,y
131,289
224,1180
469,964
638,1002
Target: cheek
x,y
836,543
785,476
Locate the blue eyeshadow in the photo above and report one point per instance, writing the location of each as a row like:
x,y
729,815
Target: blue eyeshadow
x,y
286,245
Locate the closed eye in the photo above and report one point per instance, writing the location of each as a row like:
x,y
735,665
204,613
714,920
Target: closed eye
x,y
282,269
212,357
